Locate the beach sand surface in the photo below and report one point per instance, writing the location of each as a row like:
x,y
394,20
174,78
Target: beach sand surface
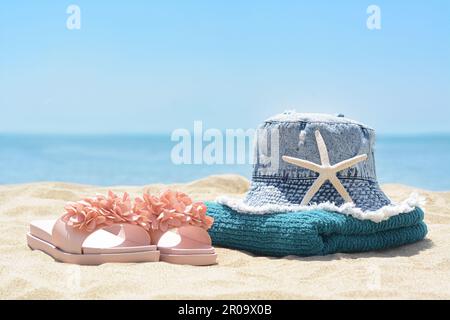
x,y
420,270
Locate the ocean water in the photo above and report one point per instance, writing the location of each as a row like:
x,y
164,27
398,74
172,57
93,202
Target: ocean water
x,y
421,161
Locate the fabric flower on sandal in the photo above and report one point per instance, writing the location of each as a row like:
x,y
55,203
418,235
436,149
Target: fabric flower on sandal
x,y
171,210
100,211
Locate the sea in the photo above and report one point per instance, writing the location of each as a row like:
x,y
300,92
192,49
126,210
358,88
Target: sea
x,y
420,161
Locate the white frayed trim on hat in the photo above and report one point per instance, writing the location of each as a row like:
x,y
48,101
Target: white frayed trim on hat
x,y
294,116
384,213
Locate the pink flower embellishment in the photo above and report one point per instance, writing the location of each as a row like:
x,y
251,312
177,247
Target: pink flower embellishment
x,y
173,209
98,212
149,208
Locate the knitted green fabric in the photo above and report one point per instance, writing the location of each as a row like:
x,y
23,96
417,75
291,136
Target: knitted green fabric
x,y
308,233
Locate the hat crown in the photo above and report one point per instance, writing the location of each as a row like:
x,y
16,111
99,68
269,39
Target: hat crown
x,y
293,134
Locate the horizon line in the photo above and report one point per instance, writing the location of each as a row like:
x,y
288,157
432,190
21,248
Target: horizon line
x,y
156,133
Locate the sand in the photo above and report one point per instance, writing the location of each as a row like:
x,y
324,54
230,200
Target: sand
x,y
420,270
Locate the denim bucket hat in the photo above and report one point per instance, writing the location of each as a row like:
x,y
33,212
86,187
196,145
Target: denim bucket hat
x,y
307,161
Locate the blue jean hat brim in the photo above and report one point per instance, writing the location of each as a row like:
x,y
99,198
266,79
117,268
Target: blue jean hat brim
x,y
278,195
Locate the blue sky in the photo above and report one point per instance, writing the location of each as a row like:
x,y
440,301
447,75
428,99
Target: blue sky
x,y
153,66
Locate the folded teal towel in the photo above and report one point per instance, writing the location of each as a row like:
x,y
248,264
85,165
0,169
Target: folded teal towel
x,y
308,233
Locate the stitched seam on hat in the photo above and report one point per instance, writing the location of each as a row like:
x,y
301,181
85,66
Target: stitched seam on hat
x,y
259,178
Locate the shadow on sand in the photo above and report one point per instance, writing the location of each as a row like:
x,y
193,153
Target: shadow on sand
x,y
402,251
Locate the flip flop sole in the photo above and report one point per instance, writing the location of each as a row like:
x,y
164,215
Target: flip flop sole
x,y
90,259
190,259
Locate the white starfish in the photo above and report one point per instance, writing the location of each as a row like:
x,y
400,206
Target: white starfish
x,y
325,170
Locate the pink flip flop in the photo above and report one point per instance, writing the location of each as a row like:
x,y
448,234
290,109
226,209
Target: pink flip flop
x,y
178,228
95,231
185,245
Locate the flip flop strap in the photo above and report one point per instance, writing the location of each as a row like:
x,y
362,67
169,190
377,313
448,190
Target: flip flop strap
x,y
198,234
195,233
70,239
